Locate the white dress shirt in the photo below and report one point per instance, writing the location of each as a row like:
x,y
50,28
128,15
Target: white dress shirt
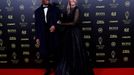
x,y
45,13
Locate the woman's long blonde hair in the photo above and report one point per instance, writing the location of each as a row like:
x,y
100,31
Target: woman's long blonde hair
x,y
69,6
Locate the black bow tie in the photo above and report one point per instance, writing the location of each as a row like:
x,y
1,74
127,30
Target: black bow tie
x,y
45,6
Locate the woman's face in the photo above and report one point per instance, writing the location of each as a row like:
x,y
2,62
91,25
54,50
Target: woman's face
x,y
72,2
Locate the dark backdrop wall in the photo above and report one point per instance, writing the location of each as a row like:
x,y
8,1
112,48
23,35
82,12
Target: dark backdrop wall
x,y
107,27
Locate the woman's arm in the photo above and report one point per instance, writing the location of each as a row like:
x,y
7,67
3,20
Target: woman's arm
x,y
76,18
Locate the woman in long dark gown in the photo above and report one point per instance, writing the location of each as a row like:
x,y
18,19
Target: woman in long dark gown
x,y
73,61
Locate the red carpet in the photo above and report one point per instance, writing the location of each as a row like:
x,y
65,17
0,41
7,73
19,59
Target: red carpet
x,y
98,71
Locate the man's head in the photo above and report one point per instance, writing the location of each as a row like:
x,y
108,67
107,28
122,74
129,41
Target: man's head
x,y
45,2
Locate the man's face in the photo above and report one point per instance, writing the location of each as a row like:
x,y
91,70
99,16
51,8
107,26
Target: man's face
x,y
45,1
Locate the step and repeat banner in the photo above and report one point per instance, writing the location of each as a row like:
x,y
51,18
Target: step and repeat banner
x,y
107,27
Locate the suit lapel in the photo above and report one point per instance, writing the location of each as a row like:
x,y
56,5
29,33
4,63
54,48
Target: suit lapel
x,y
42,15
48,13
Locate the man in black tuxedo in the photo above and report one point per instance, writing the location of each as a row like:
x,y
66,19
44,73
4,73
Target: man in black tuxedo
x,y
46,17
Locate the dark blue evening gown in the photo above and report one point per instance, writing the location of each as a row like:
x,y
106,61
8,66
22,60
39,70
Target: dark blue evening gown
x,y
73,59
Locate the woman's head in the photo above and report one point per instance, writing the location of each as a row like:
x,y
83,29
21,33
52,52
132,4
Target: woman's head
x,y
72,3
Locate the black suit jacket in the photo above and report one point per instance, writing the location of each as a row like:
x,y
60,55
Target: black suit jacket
x,y
48,41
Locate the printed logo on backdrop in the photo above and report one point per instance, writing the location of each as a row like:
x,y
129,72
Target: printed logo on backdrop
x,y
22,7
127,20
34,6
86,4
1,32
38,58
100,45
9,7
61,5
127,3
14,58
23,23
114,4
2,48
113,58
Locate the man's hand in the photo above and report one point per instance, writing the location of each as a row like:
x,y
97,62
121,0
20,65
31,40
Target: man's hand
x,y
37,45
52,28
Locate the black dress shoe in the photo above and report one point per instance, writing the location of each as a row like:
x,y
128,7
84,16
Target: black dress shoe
x,y
48,73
